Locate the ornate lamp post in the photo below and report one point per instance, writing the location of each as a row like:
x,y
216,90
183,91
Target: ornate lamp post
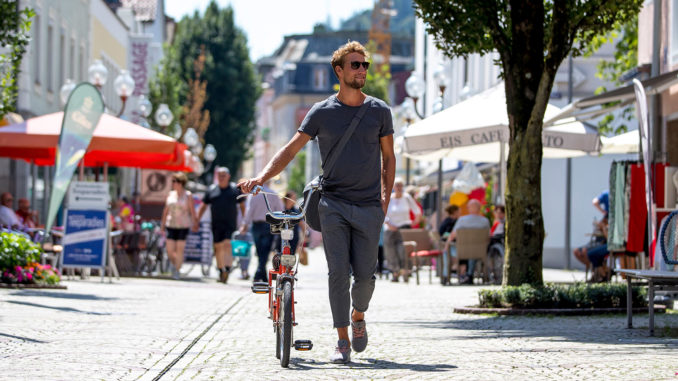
x,y
97,75
163,115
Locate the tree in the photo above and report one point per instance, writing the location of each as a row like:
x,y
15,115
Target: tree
x,y
532,39
378,77
192,113
167,87
232,84
297,180
14,27
625,60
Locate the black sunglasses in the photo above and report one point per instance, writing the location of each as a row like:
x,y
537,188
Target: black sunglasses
x,y
356,64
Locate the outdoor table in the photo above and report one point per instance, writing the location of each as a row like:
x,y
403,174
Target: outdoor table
x,y
657,281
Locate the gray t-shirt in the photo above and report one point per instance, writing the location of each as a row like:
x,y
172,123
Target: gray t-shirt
x,y
356,176
471,221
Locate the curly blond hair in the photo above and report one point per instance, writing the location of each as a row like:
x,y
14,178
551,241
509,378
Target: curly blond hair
x,y
349,47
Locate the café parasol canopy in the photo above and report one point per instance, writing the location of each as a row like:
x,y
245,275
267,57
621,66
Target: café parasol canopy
x,y
116,143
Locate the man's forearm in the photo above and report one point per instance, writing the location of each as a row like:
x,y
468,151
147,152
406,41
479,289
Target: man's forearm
x,y
277,164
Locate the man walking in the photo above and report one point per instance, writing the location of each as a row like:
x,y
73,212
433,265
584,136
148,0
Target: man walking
x,y
355,193
261,231
222,199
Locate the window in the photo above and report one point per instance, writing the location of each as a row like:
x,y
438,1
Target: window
x,y
81,64
71,61
36,49
50,57
320,80
62,53
674,31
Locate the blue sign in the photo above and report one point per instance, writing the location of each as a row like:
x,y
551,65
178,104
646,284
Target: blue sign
x,y
85,238
199,244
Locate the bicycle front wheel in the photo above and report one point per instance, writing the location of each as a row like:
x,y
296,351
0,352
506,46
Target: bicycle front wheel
x,y
285,325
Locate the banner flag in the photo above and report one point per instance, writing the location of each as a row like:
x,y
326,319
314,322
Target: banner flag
x,y
646,147
81,116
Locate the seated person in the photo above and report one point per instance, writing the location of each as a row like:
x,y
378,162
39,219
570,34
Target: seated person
x,y
499,220
595,251
8,218
444,230
27,217
473,220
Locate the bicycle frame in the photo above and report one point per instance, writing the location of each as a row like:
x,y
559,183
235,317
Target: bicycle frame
x,y
283,273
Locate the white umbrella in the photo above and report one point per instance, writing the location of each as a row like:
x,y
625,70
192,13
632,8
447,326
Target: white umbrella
x,y
623,143
474,129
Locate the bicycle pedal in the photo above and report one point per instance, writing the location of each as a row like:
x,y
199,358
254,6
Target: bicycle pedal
x,y
303,345
260,288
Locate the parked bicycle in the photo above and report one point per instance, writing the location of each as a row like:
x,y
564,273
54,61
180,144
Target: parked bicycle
x,y
281,294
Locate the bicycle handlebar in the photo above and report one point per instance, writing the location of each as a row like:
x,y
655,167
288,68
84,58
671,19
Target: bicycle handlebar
x,y
259,189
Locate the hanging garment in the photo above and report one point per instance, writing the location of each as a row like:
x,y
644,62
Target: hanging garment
x,y
637,210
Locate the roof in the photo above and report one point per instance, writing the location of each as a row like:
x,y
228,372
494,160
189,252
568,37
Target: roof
x,y
144,10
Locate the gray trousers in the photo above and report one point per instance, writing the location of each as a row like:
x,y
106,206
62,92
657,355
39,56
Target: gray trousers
x,y
351,241
394,250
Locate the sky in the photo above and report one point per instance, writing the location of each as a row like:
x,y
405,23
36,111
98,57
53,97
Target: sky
x,y
266,22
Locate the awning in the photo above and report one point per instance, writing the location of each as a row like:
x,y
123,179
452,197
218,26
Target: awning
x,y
583,109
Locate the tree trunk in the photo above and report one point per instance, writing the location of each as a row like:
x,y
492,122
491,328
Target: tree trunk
x,y
525,223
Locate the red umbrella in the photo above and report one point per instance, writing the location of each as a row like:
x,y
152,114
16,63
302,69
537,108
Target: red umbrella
x,y
116,142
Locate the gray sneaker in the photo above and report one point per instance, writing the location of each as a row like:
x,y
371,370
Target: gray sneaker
x,y
342,353
359,338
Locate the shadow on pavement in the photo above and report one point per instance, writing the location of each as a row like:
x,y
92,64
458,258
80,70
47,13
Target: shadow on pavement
x,y
22,338
65,309
62,295
370,363
601,329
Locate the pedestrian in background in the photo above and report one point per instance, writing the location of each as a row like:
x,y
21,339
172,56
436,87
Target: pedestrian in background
x,y
177,218
8,218
223,201
400,208
255,217
356,192
27,217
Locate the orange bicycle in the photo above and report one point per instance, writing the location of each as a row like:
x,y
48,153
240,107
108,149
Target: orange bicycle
x,y
281,281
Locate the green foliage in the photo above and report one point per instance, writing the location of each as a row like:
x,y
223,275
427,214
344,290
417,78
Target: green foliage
x,y
625,59
578,295
297,179
376,83
14,28
17,250
167,87
400,24
232,84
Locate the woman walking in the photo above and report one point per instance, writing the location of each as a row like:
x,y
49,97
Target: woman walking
x,y
398,217
177,217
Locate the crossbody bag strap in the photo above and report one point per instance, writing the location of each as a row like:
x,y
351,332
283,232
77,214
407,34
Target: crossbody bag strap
x,y
334,155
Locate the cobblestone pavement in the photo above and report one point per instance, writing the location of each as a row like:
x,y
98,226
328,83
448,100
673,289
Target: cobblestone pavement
x,y
198,329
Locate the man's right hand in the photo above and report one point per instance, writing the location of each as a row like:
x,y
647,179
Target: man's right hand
x,y
247,185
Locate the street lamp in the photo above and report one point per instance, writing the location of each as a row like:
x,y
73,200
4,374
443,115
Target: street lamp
x,y
415,88
163,115
210,153
191,137
97,75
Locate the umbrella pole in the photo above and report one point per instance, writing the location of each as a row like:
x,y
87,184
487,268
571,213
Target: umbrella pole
x,y
440,193
81,170
34,174
106,172
502,172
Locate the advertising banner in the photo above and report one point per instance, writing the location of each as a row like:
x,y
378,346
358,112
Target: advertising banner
x,y
81,116
155,185
199,244
85,238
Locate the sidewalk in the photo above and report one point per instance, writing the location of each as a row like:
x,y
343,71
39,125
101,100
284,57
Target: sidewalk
x,y
199,329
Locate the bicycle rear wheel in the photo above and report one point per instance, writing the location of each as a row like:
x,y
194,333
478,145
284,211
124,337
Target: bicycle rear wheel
x,y
285,325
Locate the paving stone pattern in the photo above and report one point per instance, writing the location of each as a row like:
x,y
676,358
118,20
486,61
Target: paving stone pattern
x,y
197,329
